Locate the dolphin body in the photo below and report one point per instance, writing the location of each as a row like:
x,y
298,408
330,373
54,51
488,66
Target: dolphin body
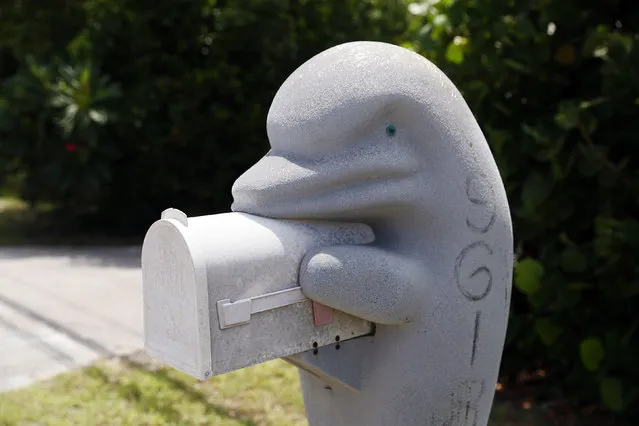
x,y
373,133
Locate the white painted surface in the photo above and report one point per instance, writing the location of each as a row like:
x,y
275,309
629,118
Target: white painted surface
x,y
221,291
62,308
235,313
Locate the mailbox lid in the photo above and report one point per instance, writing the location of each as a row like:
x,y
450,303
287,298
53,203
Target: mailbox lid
x,y
176,303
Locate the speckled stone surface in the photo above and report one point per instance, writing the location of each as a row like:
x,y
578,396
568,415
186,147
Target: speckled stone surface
x,y
374,133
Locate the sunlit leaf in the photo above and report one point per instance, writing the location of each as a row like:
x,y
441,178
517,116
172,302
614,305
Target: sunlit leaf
x,y
68,120
528,274
418,8
592,353
455,53
99,117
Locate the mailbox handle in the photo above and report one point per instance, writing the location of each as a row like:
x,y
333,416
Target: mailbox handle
x,y
232,314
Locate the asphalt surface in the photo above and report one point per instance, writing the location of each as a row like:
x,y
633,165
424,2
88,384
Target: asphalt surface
x,y
64,308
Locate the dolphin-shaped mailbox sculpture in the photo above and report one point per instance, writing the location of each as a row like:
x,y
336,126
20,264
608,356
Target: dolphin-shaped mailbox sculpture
x,y
373,133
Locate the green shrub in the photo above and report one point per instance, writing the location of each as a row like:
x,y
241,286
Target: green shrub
x,y
555,86
136,106
132,106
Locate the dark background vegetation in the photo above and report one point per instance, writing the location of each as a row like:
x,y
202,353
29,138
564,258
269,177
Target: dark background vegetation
x,y
112,110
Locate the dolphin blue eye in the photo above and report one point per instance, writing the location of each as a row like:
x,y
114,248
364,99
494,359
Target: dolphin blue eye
x,y
391,130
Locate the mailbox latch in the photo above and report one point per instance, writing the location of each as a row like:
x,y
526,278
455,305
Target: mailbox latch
x,y
231,314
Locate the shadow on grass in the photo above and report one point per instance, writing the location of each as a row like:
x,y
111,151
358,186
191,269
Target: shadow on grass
x,y
29,232
22,225
148,402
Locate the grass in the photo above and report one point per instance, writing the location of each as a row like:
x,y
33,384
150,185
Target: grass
x,y
14,218
136,391
21,225
126,392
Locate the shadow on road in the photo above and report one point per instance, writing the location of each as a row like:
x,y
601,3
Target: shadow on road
x,y
55,325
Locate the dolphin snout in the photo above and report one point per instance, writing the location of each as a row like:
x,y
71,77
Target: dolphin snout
x,y
285,178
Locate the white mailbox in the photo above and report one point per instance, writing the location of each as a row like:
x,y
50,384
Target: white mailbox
x,y
221,292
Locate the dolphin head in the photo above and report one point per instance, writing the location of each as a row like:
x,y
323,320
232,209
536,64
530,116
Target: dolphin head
x,y
355,133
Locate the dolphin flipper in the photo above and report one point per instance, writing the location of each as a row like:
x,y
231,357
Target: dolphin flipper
x,y
364,281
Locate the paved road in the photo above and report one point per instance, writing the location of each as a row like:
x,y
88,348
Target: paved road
x,y
63,308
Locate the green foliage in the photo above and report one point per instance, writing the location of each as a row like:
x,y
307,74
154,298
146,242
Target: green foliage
x,y
115,110
52,121
612,393
592,353
528,274
547,331
554,84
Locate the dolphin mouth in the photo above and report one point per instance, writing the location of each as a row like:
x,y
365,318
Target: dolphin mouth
x,y
285,187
